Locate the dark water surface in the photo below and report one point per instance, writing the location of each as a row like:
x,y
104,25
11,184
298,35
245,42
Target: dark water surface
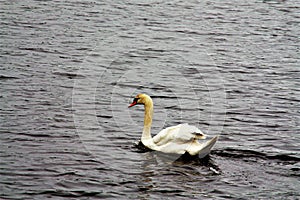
x,y
69,69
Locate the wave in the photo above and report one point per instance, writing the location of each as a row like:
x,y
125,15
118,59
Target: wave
x,y
241,153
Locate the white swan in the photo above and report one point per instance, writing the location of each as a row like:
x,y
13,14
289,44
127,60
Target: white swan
x,y
175,139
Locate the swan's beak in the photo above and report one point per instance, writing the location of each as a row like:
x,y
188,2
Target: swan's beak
x,y
132,104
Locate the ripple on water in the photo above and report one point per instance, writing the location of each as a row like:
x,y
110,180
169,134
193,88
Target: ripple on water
x,y
69,69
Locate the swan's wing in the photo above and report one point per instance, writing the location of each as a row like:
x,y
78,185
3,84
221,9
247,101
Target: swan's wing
x,y
202,149
193,147
180,134
174,147
187,132
166,135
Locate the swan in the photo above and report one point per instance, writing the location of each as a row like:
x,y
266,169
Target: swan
x,y
179,139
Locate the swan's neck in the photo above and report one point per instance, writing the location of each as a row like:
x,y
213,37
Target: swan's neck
x,y
147,120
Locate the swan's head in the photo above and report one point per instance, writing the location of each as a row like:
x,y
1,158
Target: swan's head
x,y
141,99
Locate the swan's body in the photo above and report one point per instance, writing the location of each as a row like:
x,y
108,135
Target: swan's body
x,y
175,139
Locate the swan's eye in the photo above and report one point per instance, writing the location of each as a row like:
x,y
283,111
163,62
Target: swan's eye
x,y
136,99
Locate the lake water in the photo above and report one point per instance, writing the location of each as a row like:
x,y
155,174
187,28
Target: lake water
x,y
69,69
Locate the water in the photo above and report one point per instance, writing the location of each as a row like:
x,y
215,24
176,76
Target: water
x,y
70,68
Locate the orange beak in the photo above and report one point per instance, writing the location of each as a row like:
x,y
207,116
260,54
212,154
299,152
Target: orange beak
x,y
135,100
132,104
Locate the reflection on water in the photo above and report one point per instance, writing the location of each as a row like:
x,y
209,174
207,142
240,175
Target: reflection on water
x,y
69,69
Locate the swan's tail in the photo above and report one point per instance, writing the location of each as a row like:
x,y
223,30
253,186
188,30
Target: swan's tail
x,y
207,146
